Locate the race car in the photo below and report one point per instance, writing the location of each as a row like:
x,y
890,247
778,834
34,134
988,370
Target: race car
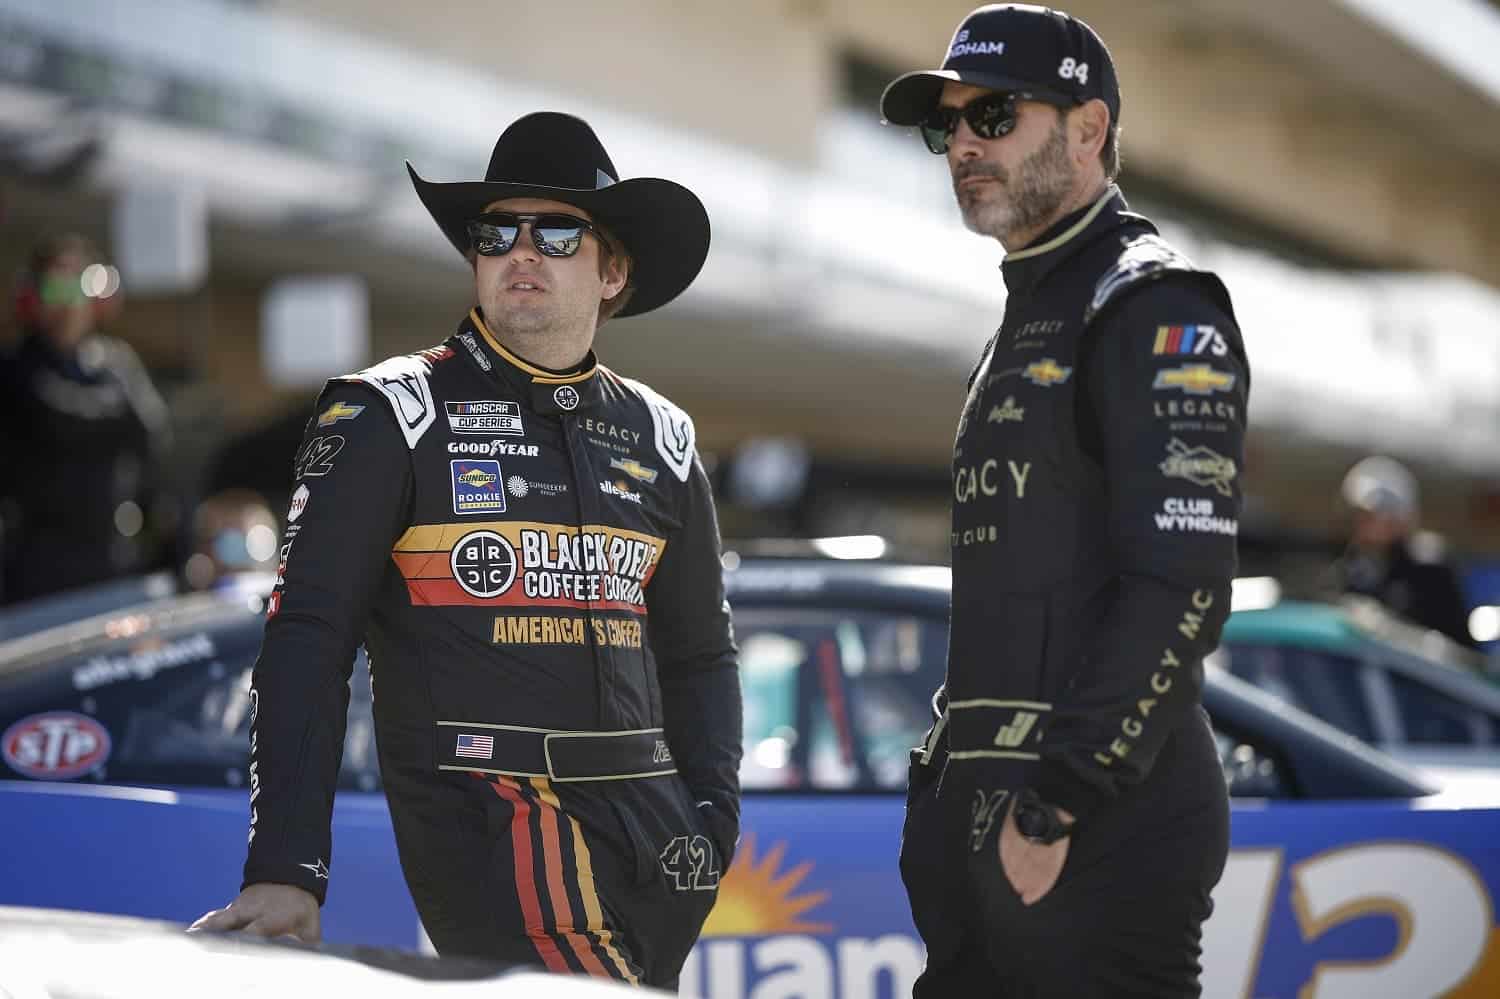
x,y
124,738
1407,690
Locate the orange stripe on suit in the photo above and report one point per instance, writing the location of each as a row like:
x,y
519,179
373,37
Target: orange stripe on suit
x,y
588,891
531,907
562,911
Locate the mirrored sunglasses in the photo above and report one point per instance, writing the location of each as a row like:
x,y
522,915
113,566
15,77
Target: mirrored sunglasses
x,y
990,116
554,234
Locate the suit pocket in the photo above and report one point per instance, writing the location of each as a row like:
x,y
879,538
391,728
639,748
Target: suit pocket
x,y
642,858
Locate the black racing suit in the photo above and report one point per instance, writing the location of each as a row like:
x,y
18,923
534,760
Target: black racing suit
x,y
532,562
82,432
1096,503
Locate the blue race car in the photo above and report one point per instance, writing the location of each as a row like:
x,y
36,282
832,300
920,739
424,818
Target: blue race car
x,y
124,738
1409,691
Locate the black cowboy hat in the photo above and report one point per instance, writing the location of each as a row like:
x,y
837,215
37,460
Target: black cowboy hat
x,y
558,157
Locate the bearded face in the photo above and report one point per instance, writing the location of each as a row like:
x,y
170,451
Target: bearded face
x,y
1003,195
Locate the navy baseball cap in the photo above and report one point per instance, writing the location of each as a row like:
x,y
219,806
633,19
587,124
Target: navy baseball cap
x,y
1013,47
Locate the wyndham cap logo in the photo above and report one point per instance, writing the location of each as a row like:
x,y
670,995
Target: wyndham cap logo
x,y
961,46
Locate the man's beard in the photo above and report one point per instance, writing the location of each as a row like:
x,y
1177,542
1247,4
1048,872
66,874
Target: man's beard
x,y
1027,199
551,316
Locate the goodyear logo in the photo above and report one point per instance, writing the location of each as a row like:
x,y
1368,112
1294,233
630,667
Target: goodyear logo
x,y
338,411
1046,372
476,487
634,469
1194,379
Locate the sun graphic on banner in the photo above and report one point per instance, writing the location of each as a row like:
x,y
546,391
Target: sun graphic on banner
x,y
1484,979
756,897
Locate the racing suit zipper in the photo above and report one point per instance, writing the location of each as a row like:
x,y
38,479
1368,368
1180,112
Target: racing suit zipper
x,y
581,474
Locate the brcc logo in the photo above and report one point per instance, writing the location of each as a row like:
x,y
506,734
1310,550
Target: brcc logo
x,y
566,396
484,564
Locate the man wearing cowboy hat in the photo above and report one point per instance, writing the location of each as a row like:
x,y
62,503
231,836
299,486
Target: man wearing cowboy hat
x,y
1067,817
526,544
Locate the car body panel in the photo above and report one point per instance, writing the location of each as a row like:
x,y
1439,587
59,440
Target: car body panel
x,y
813,904
86,956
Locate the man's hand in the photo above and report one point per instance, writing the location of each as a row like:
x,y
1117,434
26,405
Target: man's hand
x,y
268,910
1032,868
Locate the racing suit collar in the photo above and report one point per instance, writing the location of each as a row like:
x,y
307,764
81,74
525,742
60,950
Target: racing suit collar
x,y
1025,268
550,392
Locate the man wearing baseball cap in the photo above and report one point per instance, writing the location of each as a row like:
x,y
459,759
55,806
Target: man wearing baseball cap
x,y
1390,559
1067,816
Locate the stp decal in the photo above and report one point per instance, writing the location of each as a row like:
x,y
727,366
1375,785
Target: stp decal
x,y
59,745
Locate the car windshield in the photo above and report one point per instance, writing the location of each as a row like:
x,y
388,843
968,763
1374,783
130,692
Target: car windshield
x,y
1324,684
835,698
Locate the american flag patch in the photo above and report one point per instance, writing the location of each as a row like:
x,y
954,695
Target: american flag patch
x,y
479,747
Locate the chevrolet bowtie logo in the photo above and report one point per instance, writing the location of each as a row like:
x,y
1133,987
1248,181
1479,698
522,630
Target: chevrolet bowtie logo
x,y
338,411
1046,372
634,469
1194,379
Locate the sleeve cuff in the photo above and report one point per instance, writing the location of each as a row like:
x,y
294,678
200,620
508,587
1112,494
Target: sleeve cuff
x,y
723,829
315,882
1057,785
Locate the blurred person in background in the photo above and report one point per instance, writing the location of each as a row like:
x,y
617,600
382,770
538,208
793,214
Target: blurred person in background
x,y
494,517
259,458
1389,559
84,427
1067,817
234,542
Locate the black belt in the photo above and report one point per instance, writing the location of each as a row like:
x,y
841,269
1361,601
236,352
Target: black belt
x,y
518,751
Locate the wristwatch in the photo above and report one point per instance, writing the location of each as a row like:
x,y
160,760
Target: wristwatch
x,y
1039,821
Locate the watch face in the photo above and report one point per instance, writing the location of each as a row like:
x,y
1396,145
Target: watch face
x,y
1032,822
1039,822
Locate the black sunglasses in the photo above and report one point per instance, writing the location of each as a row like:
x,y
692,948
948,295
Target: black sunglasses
x,y
990,116
555,234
